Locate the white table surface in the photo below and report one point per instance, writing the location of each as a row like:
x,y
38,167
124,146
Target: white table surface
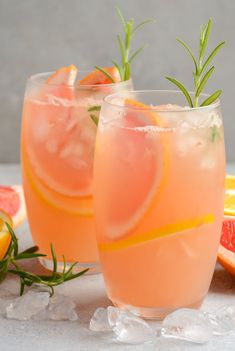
x,y
89,293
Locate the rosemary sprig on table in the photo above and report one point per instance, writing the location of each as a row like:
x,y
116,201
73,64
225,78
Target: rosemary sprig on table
x,y
127,57
10,265
199,75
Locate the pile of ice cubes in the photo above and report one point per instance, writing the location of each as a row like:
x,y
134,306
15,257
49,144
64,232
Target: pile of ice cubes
x,y
186,324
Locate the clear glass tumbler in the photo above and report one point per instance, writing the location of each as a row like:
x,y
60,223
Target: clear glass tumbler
x,y
158,187
57,149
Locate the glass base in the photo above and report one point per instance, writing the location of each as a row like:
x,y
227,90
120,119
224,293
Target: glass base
x,y
94,268
153,313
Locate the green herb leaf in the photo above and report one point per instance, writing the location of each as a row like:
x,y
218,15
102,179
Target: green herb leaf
x,y
204,81
182,88
94,118
105,73
205,37
123,21
189,51
200,66
94,108
214,133
137,52
212,98
212,55
142,24
29,278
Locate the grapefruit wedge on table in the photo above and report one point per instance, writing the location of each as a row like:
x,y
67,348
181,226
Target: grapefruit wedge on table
x,y
12,203
226,253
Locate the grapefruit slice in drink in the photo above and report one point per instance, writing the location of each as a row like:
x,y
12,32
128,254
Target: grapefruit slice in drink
x,y
226,253
59,144
12,203
98,77
139,160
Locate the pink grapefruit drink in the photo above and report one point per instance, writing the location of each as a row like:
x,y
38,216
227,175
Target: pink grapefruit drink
x,y
159,188
57,146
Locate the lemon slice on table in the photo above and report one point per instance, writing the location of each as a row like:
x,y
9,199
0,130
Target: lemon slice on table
x,y
229,201
5,236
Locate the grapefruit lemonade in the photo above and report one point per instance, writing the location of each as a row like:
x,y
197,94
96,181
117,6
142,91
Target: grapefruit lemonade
x,y
58,136
159,188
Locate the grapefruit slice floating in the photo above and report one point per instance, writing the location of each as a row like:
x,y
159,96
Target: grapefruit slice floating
x,y
61,138
12,202
140,162
5,236
97,77
226,253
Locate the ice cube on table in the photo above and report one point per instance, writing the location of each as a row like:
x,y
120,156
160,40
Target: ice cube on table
x,y
99,321
223,320
61,308
28,306
131,329
187,324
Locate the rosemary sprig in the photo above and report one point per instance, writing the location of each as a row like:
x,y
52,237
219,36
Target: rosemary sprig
x,y
127,57
199,75
10,264
95,118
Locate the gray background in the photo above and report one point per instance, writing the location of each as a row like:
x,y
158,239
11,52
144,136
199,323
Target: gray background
x,y
41,35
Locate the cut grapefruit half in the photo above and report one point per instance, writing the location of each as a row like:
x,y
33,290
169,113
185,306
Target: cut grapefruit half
x,y
98,77
140,162
226,253
5,236
12,202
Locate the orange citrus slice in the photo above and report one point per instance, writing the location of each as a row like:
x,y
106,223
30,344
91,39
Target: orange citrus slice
x,y
226,253
97,77
229,202
140,161
12,202
5,236
169,229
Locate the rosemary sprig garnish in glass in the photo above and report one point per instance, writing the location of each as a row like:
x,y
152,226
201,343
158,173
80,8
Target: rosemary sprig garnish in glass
x,y
10,265
199,75
127,57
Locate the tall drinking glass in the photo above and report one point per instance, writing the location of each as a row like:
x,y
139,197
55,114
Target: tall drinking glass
x,y
158,189
57,148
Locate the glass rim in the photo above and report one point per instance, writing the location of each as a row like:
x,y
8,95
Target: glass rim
x,y
35,79
108,101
